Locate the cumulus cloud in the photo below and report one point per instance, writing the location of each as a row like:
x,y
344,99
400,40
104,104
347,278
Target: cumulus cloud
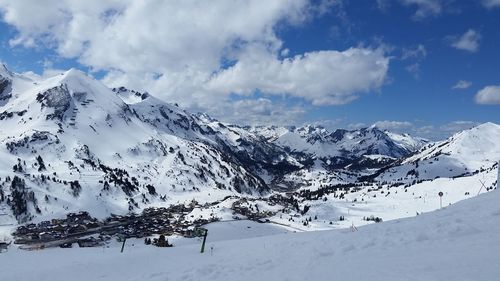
x,y
469,41
324,77
462,84
260,111
491,3
488,95
198,53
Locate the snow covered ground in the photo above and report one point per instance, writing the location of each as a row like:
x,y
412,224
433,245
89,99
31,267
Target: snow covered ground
x,y
389,203
459,242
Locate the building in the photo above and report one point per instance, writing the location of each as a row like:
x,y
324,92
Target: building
x,y
89,242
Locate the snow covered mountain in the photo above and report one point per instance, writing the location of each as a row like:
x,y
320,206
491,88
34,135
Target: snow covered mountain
x,y
335,157
341,143
465,153
69,143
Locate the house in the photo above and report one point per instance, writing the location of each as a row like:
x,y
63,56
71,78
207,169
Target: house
x,y
44,224
46,236
22,230
56,221
66,245
76,229
4,246
89,242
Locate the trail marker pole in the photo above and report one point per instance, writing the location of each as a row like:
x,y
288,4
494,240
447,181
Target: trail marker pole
x,y
204,240
123,244
440,199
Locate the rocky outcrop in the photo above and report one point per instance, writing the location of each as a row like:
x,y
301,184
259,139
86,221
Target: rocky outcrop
x,y
5,85
57,98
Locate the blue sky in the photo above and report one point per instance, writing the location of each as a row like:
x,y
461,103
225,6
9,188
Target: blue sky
x,y
277,54
427,98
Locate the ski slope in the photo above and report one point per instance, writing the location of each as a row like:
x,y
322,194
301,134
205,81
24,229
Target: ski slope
x,y
459,242
389,203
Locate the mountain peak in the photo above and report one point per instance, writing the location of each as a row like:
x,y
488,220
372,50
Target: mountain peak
x,y
470,150
484,131
4,71
74,72
76,76
488,126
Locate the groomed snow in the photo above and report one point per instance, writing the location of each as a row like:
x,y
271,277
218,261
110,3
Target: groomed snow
x,y
459,242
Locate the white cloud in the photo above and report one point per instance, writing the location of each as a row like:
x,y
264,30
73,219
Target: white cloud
x,y
420,129
414,70
491,3
443,131
324,77
260,111
469,41
488,95
356,126
462,84
383,5
457,126
392,125
414,52
325,6
329,124
425,8
197,53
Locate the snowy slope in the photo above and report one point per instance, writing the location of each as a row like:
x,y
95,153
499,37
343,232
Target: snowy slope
x,y
408,142
466,152
76,145
460,242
